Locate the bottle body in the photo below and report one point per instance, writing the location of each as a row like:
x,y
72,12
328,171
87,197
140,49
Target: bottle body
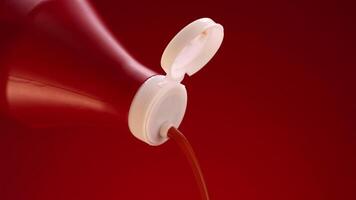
x,y
66,68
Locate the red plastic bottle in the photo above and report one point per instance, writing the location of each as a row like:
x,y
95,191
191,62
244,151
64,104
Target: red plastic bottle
x,y
84,73
63,68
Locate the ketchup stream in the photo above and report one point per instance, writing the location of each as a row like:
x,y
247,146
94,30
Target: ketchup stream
x,y
188,151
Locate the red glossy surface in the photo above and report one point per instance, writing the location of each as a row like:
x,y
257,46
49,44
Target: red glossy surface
x,y
277,100
66,68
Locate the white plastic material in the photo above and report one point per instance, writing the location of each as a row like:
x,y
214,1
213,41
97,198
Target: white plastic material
x,y
161,101
192,48
157,102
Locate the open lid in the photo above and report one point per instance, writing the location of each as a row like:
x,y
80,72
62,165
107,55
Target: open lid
x,y
192,48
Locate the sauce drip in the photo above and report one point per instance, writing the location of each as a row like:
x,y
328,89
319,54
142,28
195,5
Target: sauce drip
x,y
188,151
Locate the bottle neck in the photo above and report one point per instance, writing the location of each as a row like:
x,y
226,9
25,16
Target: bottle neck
x,y
71,68
76,24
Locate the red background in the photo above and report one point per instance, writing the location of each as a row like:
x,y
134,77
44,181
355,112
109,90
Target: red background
x,y
272,116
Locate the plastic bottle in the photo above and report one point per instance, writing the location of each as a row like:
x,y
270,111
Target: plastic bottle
x,y
83,74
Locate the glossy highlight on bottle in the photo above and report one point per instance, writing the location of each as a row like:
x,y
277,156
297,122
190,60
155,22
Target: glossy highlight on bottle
x,y
72,70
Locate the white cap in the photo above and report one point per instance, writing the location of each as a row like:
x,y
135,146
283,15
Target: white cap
x,y
161,100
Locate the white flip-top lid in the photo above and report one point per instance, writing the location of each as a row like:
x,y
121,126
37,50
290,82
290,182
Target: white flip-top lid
x,y
192,48
161,101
